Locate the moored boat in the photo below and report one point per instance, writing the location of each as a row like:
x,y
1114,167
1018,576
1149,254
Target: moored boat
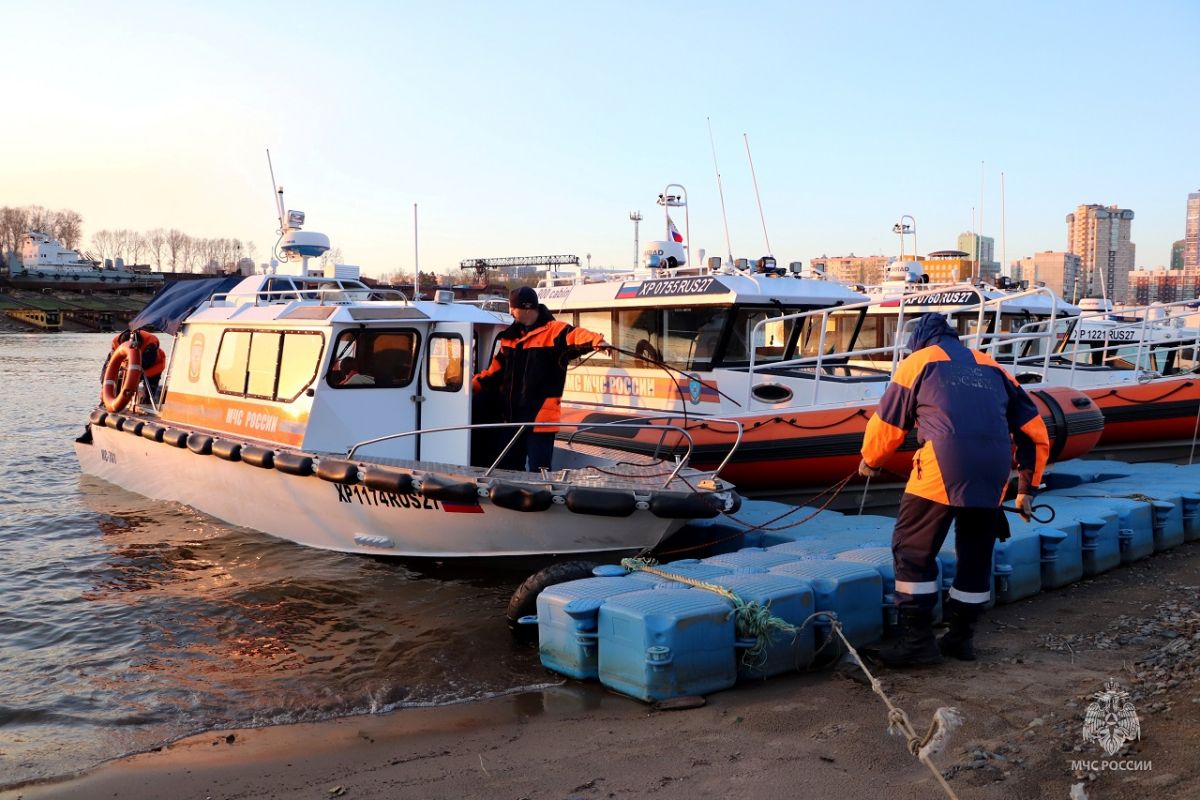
x,y
324,412
789,356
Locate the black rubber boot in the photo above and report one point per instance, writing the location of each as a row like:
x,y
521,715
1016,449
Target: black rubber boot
x,y
915,646
958,642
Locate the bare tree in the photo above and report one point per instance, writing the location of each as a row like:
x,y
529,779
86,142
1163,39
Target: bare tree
x,y
135,247
39,218
67,227
14,223
156,244
104,243
332,257
191,254
175,242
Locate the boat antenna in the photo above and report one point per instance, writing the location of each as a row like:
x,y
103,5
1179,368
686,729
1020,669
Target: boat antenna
x,y
757,197
1003,235
979,232
720,191
278,192
416,260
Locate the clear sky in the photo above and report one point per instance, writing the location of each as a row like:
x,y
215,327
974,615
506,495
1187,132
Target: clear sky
x,y
531,128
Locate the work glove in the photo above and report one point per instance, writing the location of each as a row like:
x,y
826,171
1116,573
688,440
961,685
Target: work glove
x,y
866,470
1025,507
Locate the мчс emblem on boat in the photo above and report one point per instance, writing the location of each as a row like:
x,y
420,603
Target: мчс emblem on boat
x,y
695,387
1111,721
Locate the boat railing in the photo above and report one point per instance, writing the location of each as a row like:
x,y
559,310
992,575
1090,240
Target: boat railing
x,y
322,295
579,276
1162,334
640,423
904,302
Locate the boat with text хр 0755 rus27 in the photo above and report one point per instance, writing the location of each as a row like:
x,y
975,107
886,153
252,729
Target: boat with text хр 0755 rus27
x,y
339,416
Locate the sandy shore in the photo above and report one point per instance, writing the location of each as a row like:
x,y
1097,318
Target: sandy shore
x,y
811,735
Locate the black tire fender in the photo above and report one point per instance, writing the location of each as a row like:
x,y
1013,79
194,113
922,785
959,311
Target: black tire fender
x,y
518,498
524,600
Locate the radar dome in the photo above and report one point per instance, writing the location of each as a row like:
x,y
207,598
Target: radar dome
x,y
304,243
668,255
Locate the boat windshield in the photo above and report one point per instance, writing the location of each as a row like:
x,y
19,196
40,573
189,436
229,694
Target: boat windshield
x,y
698,337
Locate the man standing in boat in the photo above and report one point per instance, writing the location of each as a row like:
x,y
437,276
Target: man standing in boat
x,y
528,373
968,413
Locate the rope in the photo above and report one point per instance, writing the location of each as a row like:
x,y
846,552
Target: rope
x,y
835,489
1135,401
751,618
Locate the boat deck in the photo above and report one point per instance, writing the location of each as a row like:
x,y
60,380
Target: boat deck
x,y
622,470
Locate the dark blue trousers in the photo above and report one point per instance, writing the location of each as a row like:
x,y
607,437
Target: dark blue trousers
x,y
532,452
920,532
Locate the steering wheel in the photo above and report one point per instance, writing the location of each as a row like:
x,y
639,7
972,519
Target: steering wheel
x,y
645,351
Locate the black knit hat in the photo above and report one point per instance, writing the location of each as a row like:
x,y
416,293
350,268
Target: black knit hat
x,y
523,297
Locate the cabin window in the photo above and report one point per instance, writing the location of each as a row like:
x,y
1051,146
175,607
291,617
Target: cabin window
x,y
267,365
373,359
640,331
597,322
769,341
685,338
298,366
445,362
230,371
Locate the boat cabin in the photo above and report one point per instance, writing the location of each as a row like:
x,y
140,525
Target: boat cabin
x,y
321,364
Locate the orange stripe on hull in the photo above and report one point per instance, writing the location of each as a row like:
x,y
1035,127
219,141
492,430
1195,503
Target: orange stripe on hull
x,y
1149,412
251,420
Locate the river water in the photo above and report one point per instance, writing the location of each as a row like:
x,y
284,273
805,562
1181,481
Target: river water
x,y
126,623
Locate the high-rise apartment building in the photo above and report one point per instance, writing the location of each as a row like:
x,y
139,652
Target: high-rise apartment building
x,y
1177,253
981,249
1060,272
1099,235
1191,233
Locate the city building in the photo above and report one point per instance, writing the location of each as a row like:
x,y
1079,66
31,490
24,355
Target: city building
x,y
981,249
948,266
1099,235
1191,233
866,270
1060,272
1163,285
1177,254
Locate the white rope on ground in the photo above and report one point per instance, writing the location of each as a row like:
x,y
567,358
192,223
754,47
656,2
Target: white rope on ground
x,y
945,719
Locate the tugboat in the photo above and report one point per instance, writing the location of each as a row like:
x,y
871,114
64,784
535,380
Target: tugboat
x,y
334,415
46,264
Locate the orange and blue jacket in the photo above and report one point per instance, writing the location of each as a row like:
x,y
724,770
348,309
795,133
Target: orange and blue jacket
x,y
530,368
968,413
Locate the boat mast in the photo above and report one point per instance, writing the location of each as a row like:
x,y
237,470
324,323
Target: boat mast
x,y
721,192
757,197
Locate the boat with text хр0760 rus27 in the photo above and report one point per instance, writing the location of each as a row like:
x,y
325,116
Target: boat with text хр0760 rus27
x,y
787,354
339,416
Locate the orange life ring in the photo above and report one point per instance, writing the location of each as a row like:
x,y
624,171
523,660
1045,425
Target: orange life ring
x,y
128,357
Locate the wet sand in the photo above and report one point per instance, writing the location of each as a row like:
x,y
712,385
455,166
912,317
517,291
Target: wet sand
x,y
810,735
